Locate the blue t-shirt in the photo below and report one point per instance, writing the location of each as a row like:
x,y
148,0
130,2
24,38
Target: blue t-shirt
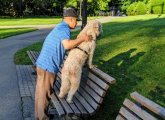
x,y
52,53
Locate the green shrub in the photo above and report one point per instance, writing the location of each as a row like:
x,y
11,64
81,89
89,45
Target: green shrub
x,y
131,9
157,9
148,8
156,6
156,2
140,8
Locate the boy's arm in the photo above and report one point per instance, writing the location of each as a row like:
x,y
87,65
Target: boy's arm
x,y
69,44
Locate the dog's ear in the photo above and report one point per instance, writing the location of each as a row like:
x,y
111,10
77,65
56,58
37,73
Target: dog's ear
x,y
91,32
97,28
96,24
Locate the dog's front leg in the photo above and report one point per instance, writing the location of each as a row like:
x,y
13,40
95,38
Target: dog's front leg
x,y
90,58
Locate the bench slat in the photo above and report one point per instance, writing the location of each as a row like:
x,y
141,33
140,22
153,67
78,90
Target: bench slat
x,y
81,108
103,75
31,57
57,105
98,81
83,102
89,98
119,117
127,114
35,56
71,108
64,104
90,91
91,84
96,88
138,111
149,104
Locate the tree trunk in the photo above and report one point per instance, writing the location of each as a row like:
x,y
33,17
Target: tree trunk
x,y
20,13
84,13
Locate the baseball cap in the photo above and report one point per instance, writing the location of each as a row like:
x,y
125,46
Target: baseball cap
x,y
69,12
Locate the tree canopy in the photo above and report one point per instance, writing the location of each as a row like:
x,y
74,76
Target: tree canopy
x,y
55,7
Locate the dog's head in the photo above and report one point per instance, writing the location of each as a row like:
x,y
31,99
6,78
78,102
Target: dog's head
x,y
94,28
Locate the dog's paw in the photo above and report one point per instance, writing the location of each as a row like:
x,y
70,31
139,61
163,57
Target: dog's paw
x,y
91,66
69,101
60,96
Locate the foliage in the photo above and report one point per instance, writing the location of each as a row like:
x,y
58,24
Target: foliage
x,y
75,3
149,9
164,7
47,7
93,6
103,4
156,2
131,9
157,9
34,7
156,6
125,4
137,8
140,8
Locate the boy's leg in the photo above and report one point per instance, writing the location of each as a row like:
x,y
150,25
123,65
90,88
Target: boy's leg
x,y
49,83
40,78
43,91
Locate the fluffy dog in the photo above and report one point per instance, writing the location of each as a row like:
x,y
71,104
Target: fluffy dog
x,y
71,71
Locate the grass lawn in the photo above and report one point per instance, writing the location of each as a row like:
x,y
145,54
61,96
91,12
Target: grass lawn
x,y
32,21
29,21
131,50
6,32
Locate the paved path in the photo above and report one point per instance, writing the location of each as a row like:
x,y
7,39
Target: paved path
x,y
10,101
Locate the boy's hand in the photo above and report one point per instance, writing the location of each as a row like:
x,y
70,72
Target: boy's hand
x,y
85,37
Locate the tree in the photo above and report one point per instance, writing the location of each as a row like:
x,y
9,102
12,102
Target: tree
x,y
84,13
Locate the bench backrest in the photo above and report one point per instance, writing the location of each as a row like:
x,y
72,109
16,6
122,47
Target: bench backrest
x,y
33,55
93,87
143,109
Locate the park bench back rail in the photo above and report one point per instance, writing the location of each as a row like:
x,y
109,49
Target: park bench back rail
x,y
143,108
33,55
87,100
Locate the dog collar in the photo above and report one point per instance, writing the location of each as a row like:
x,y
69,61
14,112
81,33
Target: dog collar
x,y
82,50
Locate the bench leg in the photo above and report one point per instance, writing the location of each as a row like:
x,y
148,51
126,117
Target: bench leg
x,y
34,68
85,118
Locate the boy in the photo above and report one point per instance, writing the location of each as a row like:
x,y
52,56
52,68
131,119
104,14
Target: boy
x,y
51,57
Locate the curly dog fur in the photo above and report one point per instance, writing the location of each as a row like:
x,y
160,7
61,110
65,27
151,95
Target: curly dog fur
x,y
71,71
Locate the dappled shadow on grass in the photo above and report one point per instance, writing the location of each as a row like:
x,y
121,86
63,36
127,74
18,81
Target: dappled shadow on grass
x,y
125,82
120,28
157,94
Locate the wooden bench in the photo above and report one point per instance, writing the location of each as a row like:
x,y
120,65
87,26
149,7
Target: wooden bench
x,y
87,100
33,55
141,109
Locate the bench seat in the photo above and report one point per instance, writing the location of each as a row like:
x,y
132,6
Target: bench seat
x,y
141,109
90,95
